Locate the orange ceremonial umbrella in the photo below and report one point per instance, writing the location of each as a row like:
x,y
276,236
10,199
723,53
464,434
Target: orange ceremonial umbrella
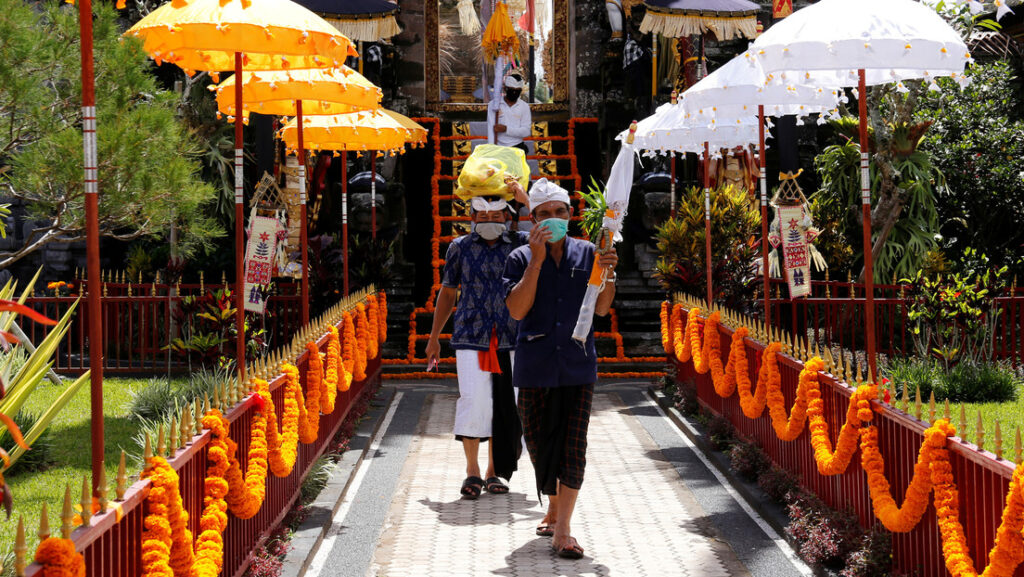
x,y
220,35
382,131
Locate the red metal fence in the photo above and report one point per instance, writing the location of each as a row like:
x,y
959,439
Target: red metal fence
x,y
114,549
982,479
138,325
835,312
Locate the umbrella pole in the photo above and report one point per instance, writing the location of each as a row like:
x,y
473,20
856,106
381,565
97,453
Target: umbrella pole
x,y
92,235
303,217
344,219
373,194
654,66
865,192
762,162
239,223
707,216
360,56
672,185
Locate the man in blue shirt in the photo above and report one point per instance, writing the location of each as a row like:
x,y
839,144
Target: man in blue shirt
x,y
546,282
483,338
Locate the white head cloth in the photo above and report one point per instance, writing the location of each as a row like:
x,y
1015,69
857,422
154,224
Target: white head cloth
x,y
480,204
513,81
543,190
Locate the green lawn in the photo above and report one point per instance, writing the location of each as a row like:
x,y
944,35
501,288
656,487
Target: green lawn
x,y
71,453
1010,417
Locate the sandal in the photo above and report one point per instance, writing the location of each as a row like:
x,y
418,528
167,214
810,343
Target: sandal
x,y
571,550
546,530
472,487
496,487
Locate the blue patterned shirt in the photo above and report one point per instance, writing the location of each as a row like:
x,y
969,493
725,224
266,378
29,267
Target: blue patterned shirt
x,y
546,354
476,267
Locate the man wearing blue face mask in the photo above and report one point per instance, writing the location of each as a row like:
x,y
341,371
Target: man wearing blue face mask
x,y
483,337
545,284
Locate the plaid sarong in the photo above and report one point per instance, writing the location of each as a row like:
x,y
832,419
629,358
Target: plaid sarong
x,y
555,422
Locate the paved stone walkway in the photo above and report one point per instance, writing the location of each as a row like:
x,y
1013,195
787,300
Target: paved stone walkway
x,y
636,516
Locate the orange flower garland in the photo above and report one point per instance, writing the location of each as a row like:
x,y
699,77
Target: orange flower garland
x,y
359,373
753,403
1008,551
59,558
246,494
158,534
382,315
282,445
858,411
681,331
666,327
348,357
209,549
932,469
309,427
372,327
900,519
329,392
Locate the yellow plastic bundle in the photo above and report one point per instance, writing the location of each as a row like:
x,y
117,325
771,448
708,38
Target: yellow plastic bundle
x,y
487,169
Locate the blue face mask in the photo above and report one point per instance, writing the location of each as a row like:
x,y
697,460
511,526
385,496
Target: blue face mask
x,y
557,226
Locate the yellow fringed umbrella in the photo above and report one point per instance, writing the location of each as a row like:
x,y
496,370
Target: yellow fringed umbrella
x,y
310,91
500,35
327,91
220,35
271,35
379,131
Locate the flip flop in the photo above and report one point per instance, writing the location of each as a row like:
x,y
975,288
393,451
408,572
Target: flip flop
x,y
571,550
545,530
496,487
472,487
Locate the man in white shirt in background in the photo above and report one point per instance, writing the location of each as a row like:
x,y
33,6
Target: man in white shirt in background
x,y
513,121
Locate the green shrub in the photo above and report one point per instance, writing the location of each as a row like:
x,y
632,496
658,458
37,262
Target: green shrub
x,y
317,478
153,401
915,372
970,382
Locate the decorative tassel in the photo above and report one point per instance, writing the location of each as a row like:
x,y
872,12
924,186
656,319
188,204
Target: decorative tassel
x,y
468,19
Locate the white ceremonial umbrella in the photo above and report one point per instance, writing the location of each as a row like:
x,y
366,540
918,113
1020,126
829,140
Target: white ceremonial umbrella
x,y
847,43
740,88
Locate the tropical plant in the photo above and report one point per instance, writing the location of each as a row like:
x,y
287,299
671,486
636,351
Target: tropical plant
x,y
735,225
17,383
209,328
954,316
596,206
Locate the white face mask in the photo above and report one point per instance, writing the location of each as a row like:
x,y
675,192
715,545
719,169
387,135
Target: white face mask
x,y
489,230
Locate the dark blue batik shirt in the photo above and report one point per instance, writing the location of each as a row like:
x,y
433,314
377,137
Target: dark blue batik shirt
x,y
476,267
546,355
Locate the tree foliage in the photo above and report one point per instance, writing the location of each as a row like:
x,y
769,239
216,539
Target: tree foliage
x,y
148,174
978,142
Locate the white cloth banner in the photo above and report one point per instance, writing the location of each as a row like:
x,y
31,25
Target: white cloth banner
x,y
259,261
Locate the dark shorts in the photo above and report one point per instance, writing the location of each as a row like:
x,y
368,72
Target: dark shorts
x,y
555,422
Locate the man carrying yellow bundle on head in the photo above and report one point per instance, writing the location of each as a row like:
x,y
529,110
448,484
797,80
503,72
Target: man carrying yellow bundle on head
x,y
483,335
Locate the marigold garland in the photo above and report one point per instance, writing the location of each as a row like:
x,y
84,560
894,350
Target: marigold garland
x,y
900,518
309,423
245,494
666,327
349,355
858,411
332,372
165,528
359,372
372,327
1008,551
59,558
209,550
283,445
932,470
382,315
